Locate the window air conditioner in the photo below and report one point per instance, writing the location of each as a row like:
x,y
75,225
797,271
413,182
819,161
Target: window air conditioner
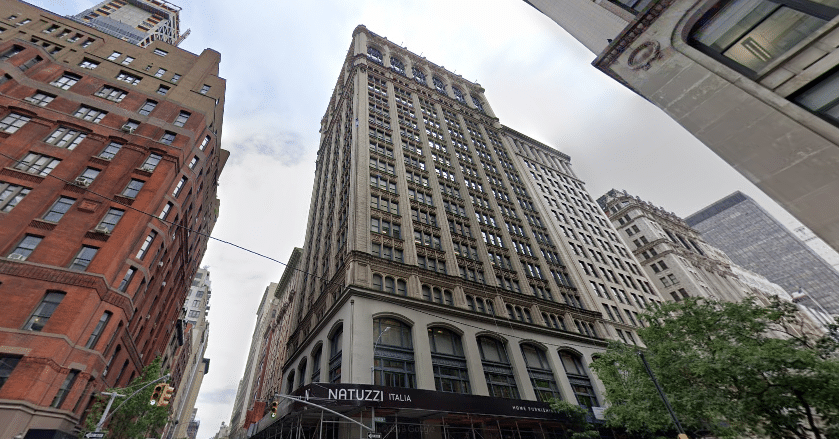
x,y
102,229
81,181
17,256
128,129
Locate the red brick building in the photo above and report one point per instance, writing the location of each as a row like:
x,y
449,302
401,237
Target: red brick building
x,y
109,162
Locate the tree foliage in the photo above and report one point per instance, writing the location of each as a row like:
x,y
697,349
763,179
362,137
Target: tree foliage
x,y
729,370
578,425
136,419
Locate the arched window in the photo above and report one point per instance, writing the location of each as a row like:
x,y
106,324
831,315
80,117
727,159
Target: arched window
x,y
316,363
477,103
434,294
419,76
335,350
450,370
438,84
458,94
390,285
748,35
301,374
393,354
501,381
578,377
397,66
375,55
290,382
541,375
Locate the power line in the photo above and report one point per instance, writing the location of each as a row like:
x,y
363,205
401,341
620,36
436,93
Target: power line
x,y
128,206
495,320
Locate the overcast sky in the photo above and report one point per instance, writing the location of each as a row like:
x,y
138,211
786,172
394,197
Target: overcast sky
x,y
281,60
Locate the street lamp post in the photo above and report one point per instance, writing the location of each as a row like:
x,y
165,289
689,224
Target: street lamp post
x,y
373,365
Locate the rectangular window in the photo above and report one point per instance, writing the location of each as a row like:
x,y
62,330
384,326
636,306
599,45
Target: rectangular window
x,y
13,122
44,311
165,212
133,188
65,137
204,143
40,99
10,195
87,43
179,187
66,81
193,162
25,247
160,52
176,77
87,177
111,93
110,151
37,164
84,257
90,114
7,365
162,90
204,89
65,388
126,280
59,208
28,64
146,244
182,118
128,60
147,108
129,78
109,222
167,138
11,52
114,56
160,73
98,330
151,162
88,64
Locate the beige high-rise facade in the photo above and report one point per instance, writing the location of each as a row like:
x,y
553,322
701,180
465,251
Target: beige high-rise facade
x,y
453,271
755,80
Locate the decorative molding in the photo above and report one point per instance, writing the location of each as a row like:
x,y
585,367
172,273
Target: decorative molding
x,y
643,56
628,36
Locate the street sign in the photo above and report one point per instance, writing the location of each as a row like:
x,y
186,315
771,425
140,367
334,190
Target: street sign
x,y
95,435
374,436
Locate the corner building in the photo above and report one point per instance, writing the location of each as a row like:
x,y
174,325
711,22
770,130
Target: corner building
x,y
436,296
109,161
754,80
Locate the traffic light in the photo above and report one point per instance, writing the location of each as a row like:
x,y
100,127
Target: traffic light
x,y
158,390
166,395
274,409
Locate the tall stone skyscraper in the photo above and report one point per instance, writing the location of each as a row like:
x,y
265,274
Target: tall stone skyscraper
x,y
454,270
109,161
755,240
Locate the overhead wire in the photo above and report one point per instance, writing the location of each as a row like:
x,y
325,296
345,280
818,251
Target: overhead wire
x,y
494,317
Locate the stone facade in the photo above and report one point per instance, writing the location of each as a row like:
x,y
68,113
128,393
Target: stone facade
x,y
93,275
426,222
756,241
760,103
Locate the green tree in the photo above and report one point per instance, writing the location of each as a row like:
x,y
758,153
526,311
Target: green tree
x,y
136,419
729,370
578,425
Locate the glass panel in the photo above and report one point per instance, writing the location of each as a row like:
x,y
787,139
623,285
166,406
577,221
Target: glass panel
x,y
774,36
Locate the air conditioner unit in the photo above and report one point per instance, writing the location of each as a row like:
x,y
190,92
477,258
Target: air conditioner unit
x,y
17,256
102,229
81,181
160,264
128,129
147,168
163,284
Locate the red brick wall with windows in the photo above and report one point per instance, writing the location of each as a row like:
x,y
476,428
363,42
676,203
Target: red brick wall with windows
x,y
145,310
